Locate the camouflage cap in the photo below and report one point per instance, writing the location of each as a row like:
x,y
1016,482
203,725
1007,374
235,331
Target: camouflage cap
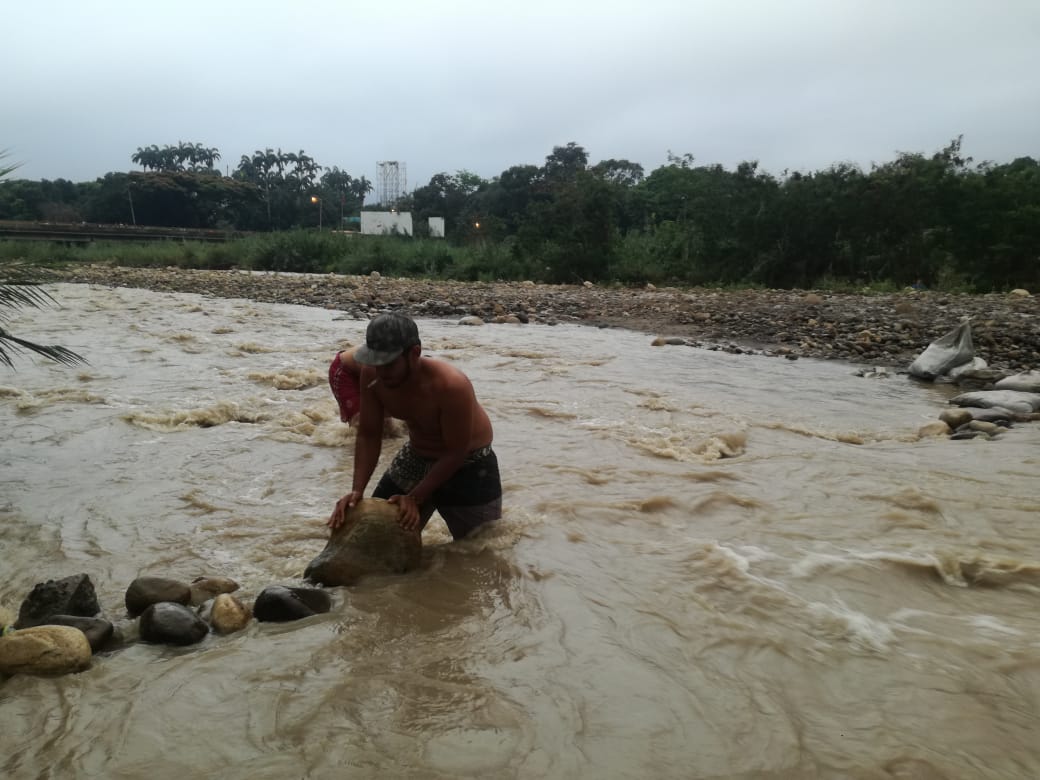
x,y
388,335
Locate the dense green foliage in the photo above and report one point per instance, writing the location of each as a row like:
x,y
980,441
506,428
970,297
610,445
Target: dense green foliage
x,y
938,219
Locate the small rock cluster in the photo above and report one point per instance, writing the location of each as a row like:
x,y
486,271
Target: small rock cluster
x,y
60,625
989,412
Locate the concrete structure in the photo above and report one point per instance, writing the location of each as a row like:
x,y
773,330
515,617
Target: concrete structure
x,y
436,227
392,182
382,223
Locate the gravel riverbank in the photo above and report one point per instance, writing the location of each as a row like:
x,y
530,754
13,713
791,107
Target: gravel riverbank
x,y
884,330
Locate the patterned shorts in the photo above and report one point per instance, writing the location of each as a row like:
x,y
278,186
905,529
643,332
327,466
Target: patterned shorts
x,y
469,499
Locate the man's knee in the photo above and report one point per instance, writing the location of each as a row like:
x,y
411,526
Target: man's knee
x,y
464,520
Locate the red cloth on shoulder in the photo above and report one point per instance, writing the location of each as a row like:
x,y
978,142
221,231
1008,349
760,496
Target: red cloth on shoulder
x,y
345,388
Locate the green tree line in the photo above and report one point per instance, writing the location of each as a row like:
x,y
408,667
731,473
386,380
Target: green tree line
x,y
179,186
939,219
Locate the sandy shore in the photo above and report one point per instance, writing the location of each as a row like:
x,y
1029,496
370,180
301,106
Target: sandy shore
x,y
889,330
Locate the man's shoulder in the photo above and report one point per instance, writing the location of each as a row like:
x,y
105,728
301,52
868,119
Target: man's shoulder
x,y
443,371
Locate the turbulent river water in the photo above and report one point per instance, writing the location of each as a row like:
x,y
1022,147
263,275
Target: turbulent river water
x,y
710,565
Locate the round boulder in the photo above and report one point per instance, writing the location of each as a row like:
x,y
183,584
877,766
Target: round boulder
x,y
370,541
227,614
279,604
955,418
145,591
44,650
168,623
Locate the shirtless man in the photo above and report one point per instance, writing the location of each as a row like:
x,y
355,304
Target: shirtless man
x,y
447,464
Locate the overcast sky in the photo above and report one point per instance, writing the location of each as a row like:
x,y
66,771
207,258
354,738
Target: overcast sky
x,y
482,86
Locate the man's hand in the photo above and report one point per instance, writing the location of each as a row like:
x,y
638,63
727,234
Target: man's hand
x,y
339,514
408,512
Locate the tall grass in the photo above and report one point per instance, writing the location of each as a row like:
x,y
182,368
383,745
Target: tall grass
x,y
301,251
660,257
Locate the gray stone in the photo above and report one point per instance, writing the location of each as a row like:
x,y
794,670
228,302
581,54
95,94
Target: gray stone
x,y
98,631
985,427
69,596
1012,400
145,591
279,604
169,623
1027,381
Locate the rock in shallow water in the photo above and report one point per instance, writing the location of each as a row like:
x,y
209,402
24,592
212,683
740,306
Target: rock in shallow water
x,y
98,631
1014,400
370,541
145,591
169,623
278,604
69,596
45,650
1026,381
228,614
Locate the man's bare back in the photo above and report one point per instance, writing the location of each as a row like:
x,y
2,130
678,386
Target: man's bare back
x,y
447,464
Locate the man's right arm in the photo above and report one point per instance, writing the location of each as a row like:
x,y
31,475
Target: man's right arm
x,y
367,446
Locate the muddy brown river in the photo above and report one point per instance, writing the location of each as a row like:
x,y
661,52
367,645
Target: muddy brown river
x,y
710,565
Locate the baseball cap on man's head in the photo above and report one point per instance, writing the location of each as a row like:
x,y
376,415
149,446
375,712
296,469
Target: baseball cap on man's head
x,y
388,335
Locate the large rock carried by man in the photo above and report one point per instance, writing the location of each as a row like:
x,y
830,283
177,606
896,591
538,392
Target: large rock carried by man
x,y
370,541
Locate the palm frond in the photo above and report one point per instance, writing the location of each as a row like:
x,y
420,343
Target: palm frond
x,y
19,288
6,169
14,296
11,343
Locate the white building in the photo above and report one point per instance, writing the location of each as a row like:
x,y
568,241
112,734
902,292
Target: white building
x,y
382,223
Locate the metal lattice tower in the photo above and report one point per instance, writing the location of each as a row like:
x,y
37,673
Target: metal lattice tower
x,y
393,181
